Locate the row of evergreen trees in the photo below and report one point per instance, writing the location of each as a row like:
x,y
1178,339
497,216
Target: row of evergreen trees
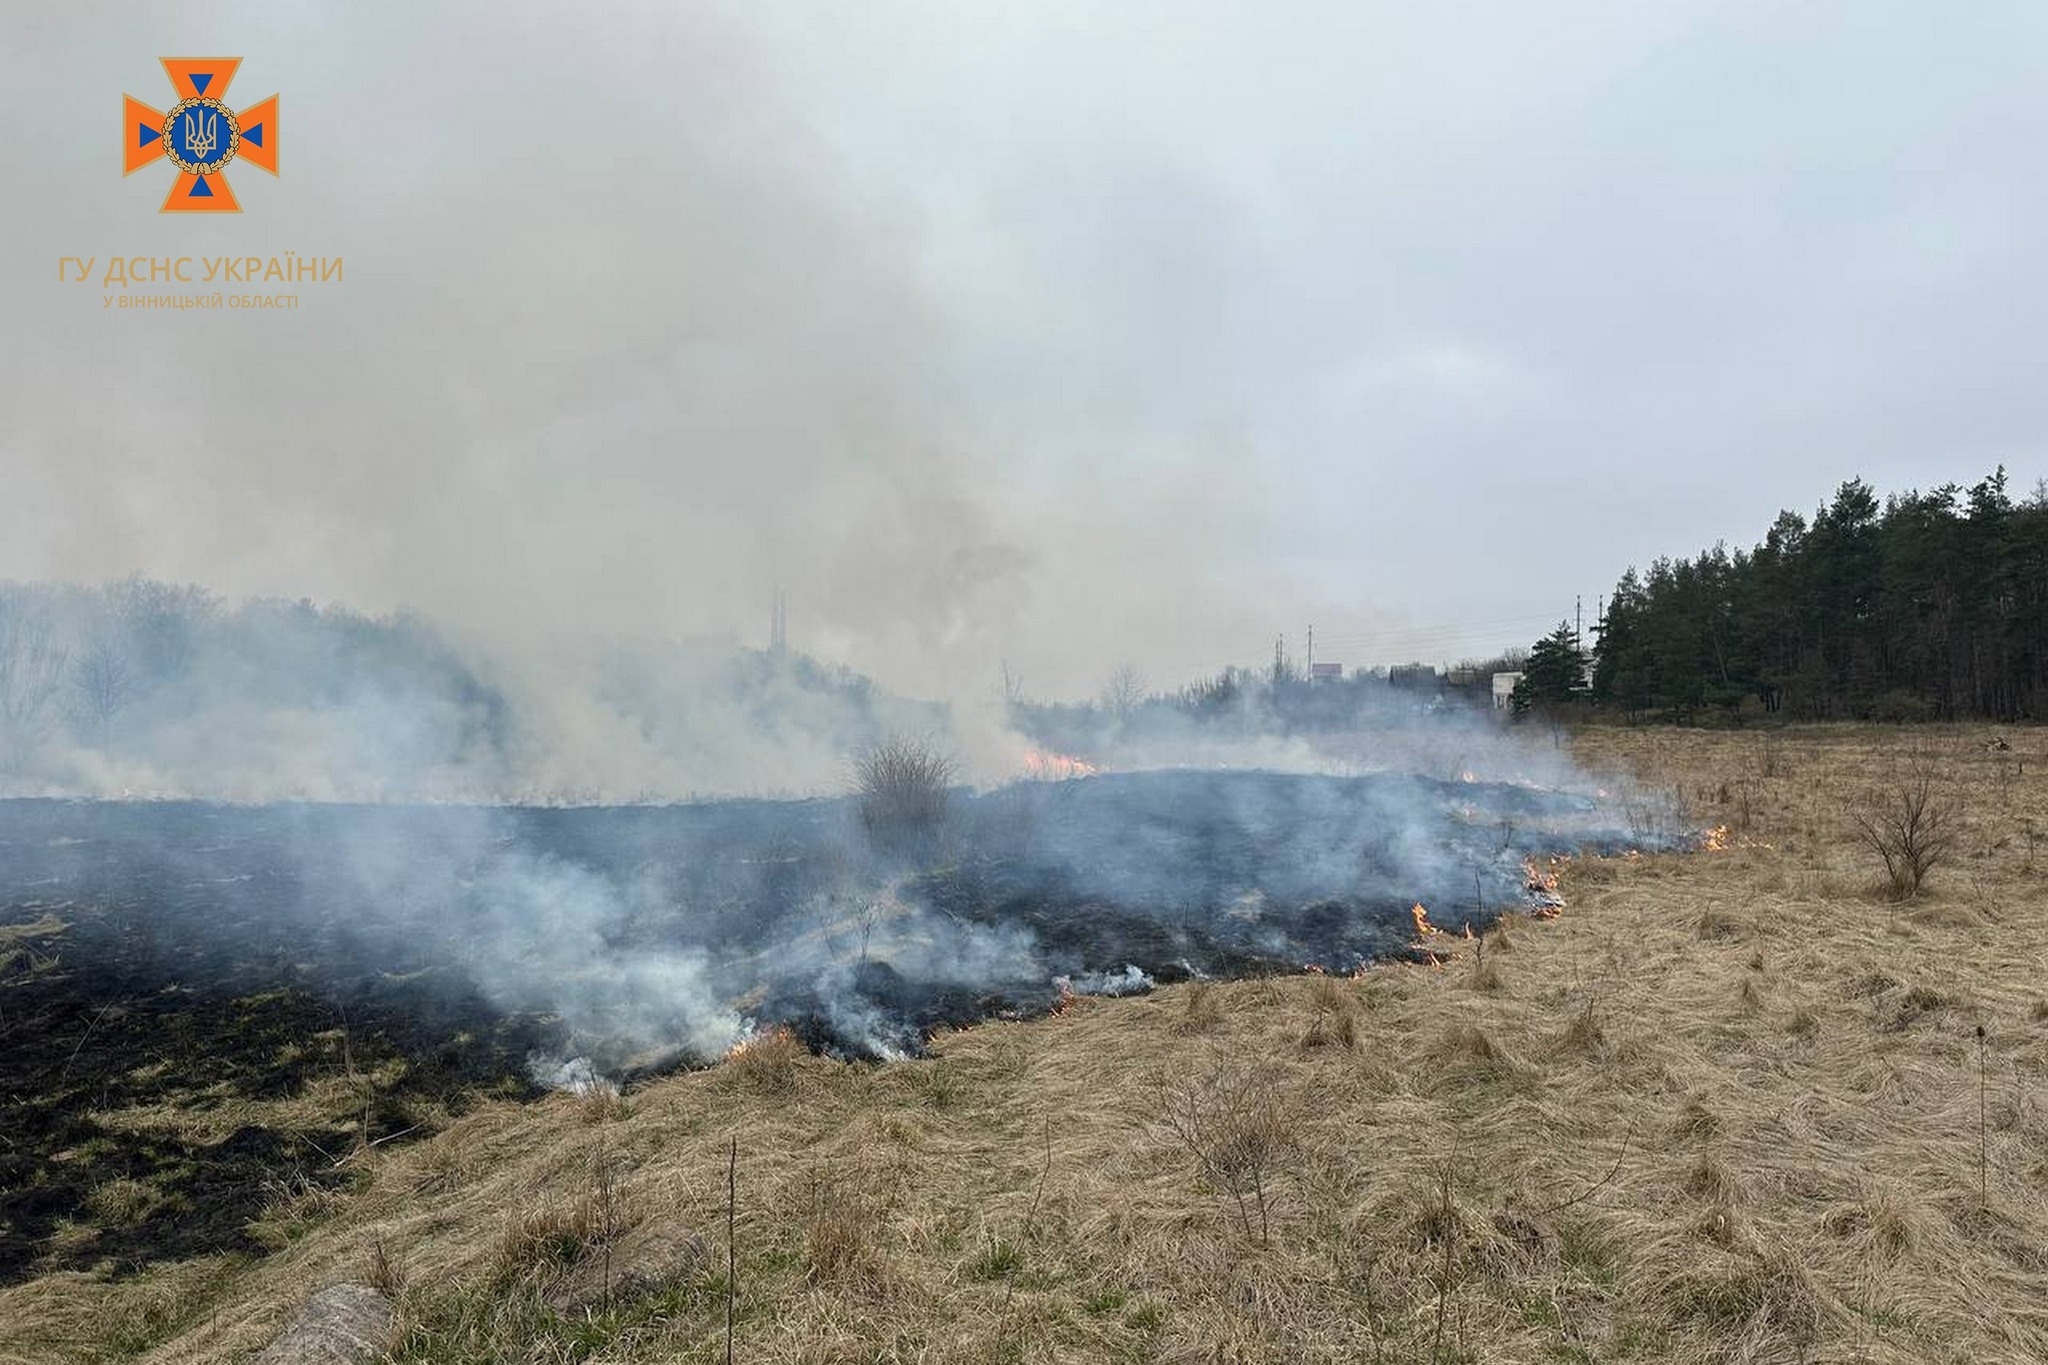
x,y
1928,605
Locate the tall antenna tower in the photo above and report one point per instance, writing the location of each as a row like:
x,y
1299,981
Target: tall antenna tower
x,y
778,625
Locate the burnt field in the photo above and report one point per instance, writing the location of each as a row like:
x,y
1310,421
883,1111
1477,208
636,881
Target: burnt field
x,y
197,1001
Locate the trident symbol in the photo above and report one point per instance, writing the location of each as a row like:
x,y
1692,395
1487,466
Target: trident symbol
x,y
200,131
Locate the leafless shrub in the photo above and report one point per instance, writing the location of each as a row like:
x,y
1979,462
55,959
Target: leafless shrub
x,y
902,784
1233,1124
1911,830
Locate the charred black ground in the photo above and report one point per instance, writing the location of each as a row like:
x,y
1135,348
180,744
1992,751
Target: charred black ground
x,y
195,956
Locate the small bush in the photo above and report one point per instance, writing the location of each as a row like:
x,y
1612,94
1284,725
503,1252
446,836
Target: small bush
x,y
1232,1123
902,784
1911,830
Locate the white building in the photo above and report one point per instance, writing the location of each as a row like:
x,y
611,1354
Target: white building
x,y
1504,689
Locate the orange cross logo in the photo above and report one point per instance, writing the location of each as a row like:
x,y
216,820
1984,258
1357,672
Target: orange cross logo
x,y
200,135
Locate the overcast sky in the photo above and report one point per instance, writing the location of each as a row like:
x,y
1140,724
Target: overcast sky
x,y
1063,333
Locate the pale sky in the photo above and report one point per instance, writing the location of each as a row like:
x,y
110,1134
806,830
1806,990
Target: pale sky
x,y
1058,333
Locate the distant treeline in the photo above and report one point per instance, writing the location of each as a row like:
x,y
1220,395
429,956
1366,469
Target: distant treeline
x,y
1928,605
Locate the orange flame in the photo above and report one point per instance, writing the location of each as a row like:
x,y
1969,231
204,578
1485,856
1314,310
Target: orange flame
x,y
1715,839
1423,928
1058,767
1543,886
780,1035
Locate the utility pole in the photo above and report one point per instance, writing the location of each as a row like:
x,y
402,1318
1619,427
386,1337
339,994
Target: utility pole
x,y
1279,659
1578,621
1311,653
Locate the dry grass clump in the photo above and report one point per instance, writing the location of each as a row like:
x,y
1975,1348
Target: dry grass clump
x,y
766,1062
1202,1009
1715,925
1336,1003
1582,1034
1331,1030
841,1248
1711,1182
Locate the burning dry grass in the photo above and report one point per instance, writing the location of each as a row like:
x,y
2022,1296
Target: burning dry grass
x,y
1730,1106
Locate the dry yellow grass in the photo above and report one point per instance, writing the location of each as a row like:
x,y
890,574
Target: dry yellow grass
x,y
1726,1108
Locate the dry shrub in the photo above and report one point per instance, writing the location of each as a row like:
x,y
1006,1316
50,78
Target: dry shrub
x,y
766,1061
1231,1122
2039,1011
1911,830
1486,976
902,784
1804,1022
1204,1009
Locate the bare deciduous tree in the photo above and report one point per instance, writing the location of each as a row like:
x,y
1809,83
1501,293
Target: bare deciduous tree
x,y
1123,693
31,673
102,684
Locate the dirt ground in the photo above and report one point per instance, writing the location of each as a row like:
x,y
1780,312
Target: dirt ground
x,y
1737,1105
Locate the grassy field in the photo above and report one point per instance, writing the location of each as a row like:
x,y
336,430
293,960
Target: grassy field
x,y
1737,1105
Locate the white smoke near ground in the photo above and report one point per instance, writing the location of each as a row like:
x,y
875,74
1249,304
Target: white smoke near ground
x,y
581,836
